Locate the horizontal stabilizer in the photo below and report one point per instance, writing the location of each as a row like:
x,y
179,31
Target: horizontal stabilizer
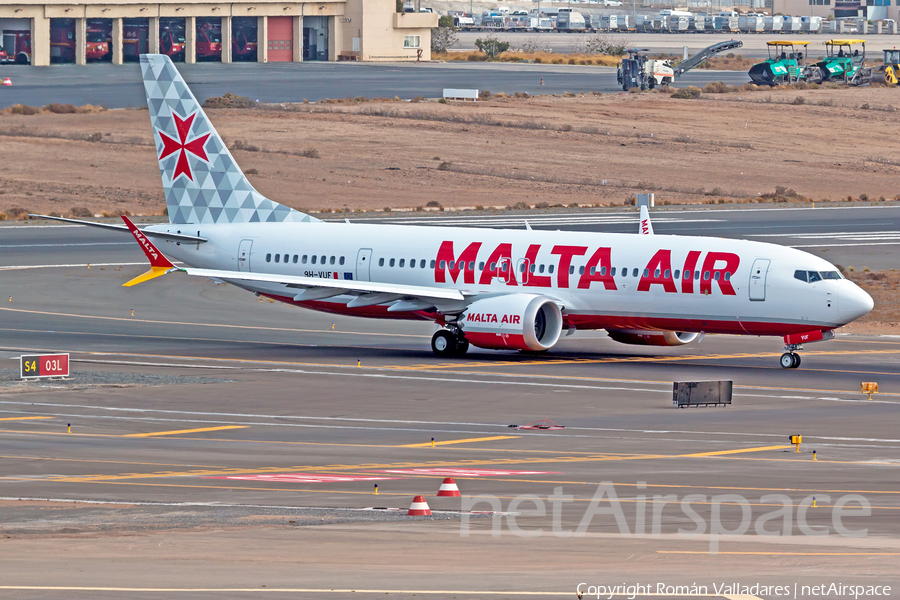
x,y
176,237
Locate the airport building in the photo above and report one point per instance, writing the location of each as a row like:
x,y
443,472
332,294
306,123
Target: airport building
x,y
42,32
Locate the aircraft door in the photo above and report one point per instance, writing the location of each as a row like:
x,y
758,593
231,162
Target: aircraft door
x,y
363,260
523,269
758,279
243,261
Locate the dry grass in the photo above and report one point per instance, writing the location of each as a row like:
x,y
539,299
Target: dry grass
x,y
548,58
883,286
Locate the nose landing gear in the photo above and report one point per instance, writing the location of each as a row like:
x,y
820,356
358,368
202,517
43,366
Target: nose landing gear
x,y
790,359
449,342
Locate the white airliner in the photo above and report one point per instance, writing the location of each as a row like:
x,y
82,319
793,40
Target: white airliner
x,y
492,288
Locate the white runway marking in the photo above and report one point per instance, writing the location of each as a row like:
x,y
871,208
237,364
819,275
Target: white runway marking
x,y
730,435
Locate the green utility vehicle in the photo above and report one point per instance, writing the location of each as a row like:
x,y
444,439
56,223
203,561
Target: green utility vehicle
x,y
786,64
843,63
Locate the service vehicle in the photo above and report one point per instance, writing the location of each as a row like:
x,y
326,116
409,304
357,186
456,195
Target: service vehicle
x,y
786,63
645,73
845,61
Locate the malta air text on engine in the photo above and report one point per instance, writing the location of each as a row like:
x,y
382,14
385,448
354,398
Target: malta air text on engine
x,y
692,276
492,318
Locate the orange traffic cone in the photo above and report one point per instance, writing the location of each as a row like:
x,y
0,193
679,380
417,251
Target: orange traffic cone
x,y
449,488
419,508
6,81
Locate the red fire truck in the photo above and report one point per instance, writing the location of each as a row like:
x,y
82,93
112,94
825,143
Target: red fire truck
x,y
17,46
209,42
98,40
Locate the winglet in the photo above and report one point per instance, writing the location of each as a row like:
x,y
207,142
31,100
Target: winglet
x,y
159,264
646,225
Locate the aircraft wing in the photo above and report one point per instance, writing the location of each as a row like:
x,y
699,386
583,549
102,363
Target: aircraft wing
x,y
338,286
178,237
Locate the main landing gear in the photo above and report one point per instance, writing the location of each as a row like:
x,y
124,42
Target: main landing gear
x,y
449,342
790,359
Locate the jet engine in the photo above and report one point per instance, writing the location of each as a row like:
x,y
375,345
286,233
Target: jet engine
x,y
513,321
652,338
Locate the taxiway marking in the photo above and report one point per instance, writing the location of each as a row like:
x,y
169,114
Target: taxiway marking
x,y
222,325
23,418
738,451
465,441
181,431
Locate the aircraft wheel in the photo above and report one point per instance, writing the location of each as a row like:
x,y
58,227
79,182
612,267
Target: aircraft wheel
x,y
462,346
796,361
787,360
443,343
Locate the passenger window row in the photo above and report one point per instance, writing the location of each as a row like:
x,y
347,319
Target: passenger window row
x,y
304,259
413,263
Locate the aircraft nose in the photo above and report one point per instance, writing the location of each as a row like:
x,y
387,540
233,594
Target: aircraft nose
x,y
854,303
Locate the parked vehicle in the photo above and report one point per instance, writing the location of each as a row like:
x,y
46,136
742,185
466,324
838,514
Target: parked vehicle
x,y
209,42
842,63
786,63
17,45
569,20
171,43
244,43
97,43
640,71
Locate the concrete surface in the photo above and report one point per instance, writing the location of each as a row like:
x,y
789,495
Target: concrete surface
x,y
120,86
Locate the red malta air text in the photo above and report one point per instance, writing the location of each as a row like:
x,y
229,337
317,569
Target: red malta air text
x,y
716,268
492,318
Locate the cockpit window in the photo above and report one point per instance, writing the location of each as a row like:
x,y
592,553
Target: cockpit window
x,y
814,276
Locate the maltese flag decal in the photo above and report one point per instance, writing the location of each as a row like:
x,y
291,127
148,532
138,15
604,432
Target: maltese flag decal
x,y
183,146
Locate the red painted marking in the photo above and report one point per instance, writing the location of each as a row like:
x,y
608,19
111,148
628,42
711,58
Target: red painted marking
x,y
183,146
156,258
304,478
799,338
456,472
497,341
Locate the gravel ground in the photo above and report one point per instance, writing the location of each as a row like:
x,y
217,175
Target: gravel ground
x,y
30,517
10,382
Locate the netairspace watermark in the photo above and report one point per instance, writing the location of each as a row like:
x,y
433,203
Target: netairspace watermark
x,y
770,515
795,591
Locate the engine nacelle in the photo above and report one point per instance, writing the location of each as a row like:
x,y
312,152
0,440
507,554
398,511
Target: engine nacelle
x,y
652,338
513,321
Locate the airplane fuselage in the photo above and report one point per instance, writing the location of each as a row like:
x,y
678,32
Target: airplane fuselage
x,y
603,280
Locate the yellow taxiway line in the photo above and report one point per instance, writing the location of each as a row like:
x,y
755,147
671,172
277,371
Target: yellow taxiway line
x,y
465,441
23,418
180,431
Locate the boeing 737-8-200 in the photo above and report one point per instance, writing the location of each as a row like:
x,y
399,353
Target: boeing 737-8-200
x,y
492,288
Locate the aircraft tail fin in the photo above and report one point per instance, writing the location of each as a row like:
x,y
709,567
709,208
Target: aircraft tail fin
x,y
202,181
646,227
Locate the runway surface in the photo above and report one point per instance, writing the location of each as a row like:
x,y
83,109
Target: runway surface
x,y
120,86
219,488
